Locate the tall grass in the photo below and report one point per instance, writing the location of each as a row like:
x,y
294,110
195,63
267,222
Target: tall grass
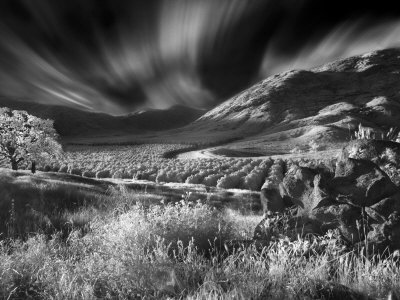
x,y
139,249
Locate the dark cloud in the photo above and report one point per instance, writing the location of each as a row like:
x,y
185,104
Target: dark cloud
x,y
120,55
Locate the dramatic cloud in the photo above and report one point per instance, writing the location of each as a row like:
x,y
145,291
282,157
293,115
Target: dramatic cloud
x,y
348,39
118,56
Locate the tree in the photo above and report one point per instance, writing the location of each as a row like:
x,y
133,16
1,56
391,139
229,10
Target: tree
x,y
25,137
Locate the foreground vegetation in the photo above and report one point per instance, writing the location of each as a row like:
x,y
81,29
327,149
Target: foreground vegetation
x,y
137,248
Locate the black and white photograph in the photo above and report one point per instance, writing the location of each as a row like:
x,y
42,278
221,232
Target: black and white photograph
x,y
199,149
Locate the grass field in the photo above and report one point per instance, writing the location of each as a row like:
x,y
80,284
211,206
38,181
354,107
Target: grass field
x,y
137,247
68,236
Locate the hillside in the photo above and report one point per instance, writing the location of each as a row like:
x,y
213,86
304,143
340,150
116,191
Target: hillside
x,y
324,104
72,122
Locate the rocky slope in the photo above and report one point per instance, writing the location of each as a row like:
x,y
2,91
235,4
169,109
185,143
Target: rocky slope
x,y
324,104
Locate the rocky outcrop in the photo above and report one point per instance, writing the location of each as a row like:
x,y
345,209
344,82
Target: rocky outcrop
x,y
386,154
360,183
358,199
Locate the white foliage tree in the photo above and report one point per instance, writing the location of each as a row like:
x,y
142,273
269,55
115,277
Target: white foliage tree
x,y
24,137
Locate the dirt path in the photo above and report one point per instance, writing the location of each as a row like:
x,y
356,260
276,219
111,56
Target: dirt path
x,y
207,154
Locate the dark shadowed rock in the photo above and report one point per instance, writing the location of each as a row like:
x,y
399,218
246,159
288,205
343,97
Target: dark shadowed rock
x,y
385,235
386,154
271,201
334,291
387,206
360,183
301,187
280,225
346,218
360,201
369,149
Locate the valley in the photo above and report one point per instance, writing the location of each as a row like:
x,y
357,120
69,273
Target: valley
x,y
294,178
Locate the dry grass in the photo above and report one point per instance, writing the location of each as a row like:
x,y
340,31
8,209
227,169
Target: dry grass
x,y
137,249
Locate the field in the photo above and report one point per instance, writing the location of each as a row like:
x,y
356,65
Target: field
x,y
122,245
158,163
139,225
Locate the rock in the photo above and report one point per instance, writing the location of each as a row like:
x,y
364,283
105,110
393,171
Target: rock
x,y
371,150
344,217
387,206
360,183
386,235
284,225
300,187
333,290
359,200
271,201
386,154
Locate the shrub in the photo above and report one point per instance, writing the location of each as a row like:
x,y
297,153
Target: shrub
x,y
298,150
47,168
89,174
194,179
393,134
117,175
212,180
63,169
55,168
314,146
161,176
275,175
75,171
254,180
229,181
103,174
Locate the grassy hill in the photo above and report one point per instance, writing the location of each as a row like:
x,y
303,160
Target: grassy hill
x,y
324,104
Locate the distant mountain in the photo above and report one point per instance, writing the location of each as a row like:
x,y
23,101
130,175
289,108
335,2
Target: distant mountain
x,y
324,104
73,122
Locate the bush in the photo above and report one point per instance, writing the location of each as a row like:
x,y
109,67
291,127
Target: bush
x,y
161,176
103,174
229,182
89,174
63,169
212,180
314,146
55,168
194,179
75,171
157,253
117,175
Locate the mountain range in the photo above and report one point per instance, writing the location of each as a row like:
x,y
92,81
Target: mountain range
x,y
324,105
72,122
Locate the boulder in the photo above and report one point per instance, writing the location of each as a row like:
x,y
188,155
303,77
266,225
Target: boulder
x,y
300,187
360,183
271,201
305,188
386,154
347,218
372,150
385,235
284,225
359,200
387,206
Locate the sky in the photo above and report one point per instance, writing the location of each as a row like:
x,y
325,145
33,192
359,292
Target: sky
x,y
121,56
